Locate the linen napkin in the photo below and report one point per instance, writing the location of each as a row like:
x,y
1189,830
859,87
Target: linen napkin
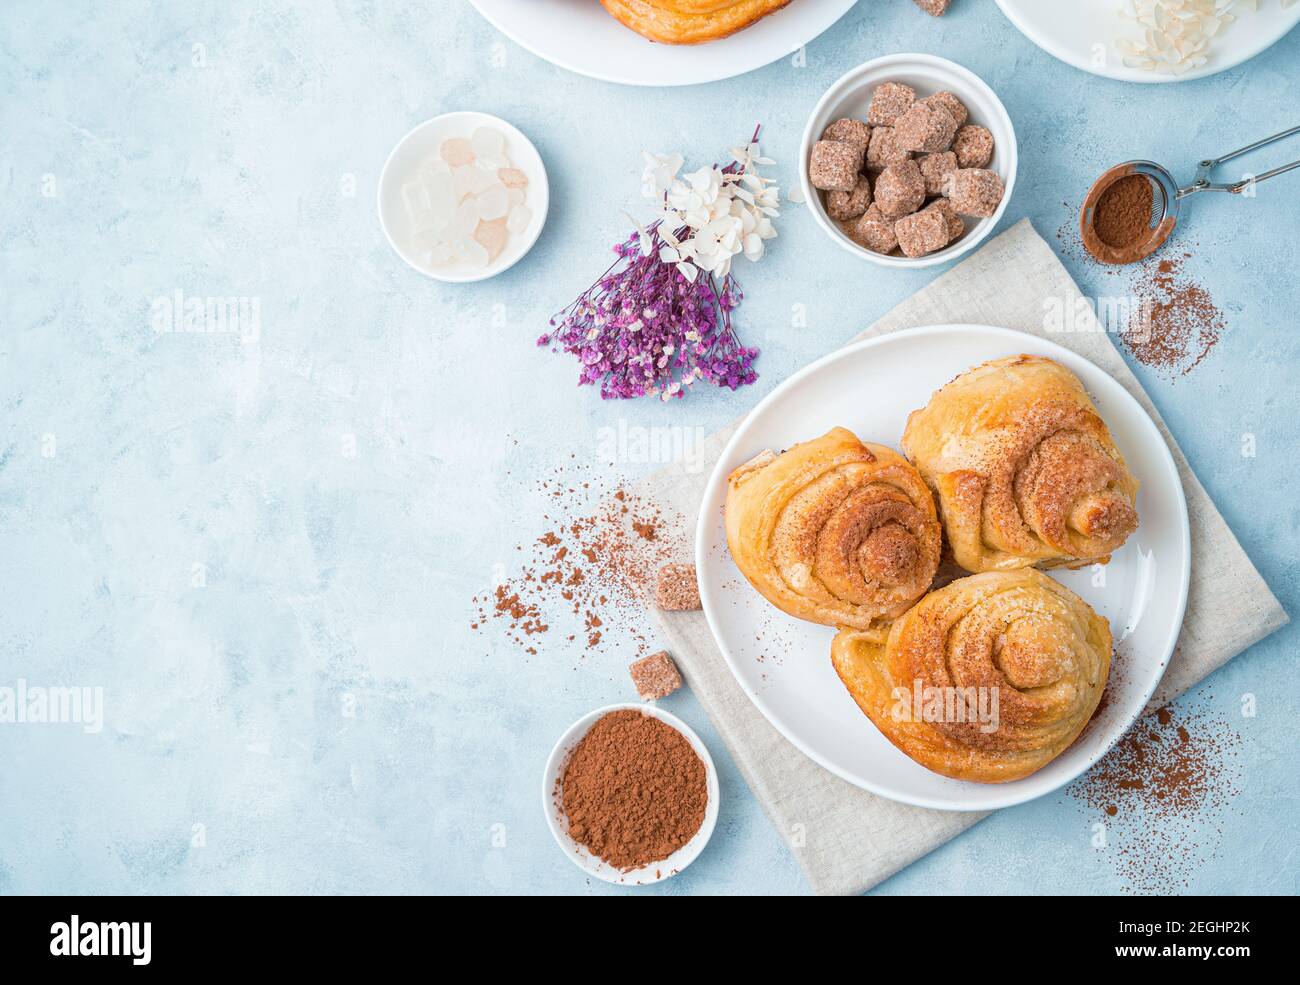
x,y
851,839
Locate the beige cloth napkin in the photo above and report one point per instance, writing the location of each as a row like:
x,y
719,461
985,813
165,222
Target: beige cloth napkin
x,y
846,839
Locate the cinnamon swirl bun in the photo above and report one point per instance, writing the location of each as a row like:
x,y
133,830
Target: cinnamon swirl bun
x,y
1025,471
689,21
987,679
834,531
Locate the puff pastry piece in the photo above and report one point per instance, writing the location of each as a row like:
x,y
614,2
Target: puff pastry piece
x,y
1024,469
834,531
689,21
1019,636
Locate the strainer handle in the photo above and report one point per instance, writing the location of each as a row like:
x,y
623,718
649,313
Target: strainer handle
x,y
1204,184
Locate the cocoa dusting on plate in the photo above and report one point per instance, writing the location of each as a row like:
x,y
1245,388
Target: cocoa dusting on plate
x,y
589,572
1159,792
633,791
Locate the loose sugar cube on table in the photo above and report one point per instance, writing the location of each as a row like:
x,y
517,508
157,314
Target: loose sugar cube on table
x,y
655,676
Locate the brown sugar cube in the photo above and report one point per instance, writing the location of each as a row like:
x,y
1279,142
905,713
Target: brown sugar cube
x,y
949,101
974,192
655,676
955,225
935,8
849,205
926,127
890,101
884,150
677,590
834,165
873,231
922,233
936,169
848,131
900,190
973,146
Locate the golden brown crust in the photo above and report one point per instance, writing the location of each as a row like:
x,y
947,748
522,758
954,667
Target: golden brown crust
x,y
689,21
834,531
1017,635
1025,470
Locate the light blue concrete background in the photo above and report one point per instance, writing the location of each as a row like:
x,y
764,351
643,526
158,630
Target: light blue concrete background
x,y
128,172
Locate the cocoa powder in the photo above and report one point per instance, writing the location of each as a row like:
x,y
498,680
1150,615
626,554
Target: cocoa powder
x,y
1123,212
1177,322
590,571
1158,794
1174,322
633,791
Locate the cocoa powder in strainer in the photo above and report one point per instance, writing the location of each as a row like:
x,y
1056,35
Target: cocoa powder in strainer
x,y
1123,213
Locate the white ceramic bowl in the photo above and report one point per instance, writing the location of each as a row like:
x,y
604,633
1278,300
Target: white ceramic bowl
x,y
655,871
423,143
927,74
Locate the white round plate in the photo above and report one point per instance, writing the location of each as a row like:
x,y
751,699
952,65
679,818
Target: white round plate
x,y
423,143
927,74
583,859
1071,31
784,664
579,35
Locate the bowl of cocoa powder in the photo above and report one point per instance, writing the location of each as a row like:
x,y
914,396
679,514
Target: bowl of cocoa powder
x,y
630,794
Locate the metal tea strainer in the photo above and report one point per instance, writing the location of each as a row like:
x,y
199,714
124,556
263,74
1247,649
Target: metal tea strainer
x,y
1166,199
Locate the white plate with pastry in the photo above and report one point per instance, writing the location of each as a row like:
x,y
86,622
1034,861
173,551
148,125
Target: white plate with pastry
x,y
682,42
1090,35
1029,655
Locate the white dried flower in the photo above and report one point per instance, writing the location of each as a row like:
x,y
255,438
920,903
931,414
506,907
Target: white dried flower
x,y
660,171
726,213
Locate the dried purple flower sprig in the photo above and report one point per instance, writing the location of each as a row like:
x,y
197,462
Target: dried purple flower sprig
x,y
659,318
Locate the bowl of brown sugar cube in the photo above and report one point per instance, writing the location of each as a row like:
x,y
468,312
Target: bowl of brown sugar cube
x,y
908,160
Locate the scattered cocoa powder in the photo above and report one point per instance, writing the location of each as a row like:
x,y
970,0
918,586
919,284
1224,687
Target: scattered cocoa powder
x,y
633,790
587,577
1173,322
1177,322
1158,793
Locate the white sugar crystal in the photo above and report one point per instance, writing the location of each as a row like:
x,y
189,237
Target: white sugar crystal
x,y
470,180
427,239
441,189
487,142
464,180
439,255
415,197
429,220
518,218
467,217
516,196
472,252
493,202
